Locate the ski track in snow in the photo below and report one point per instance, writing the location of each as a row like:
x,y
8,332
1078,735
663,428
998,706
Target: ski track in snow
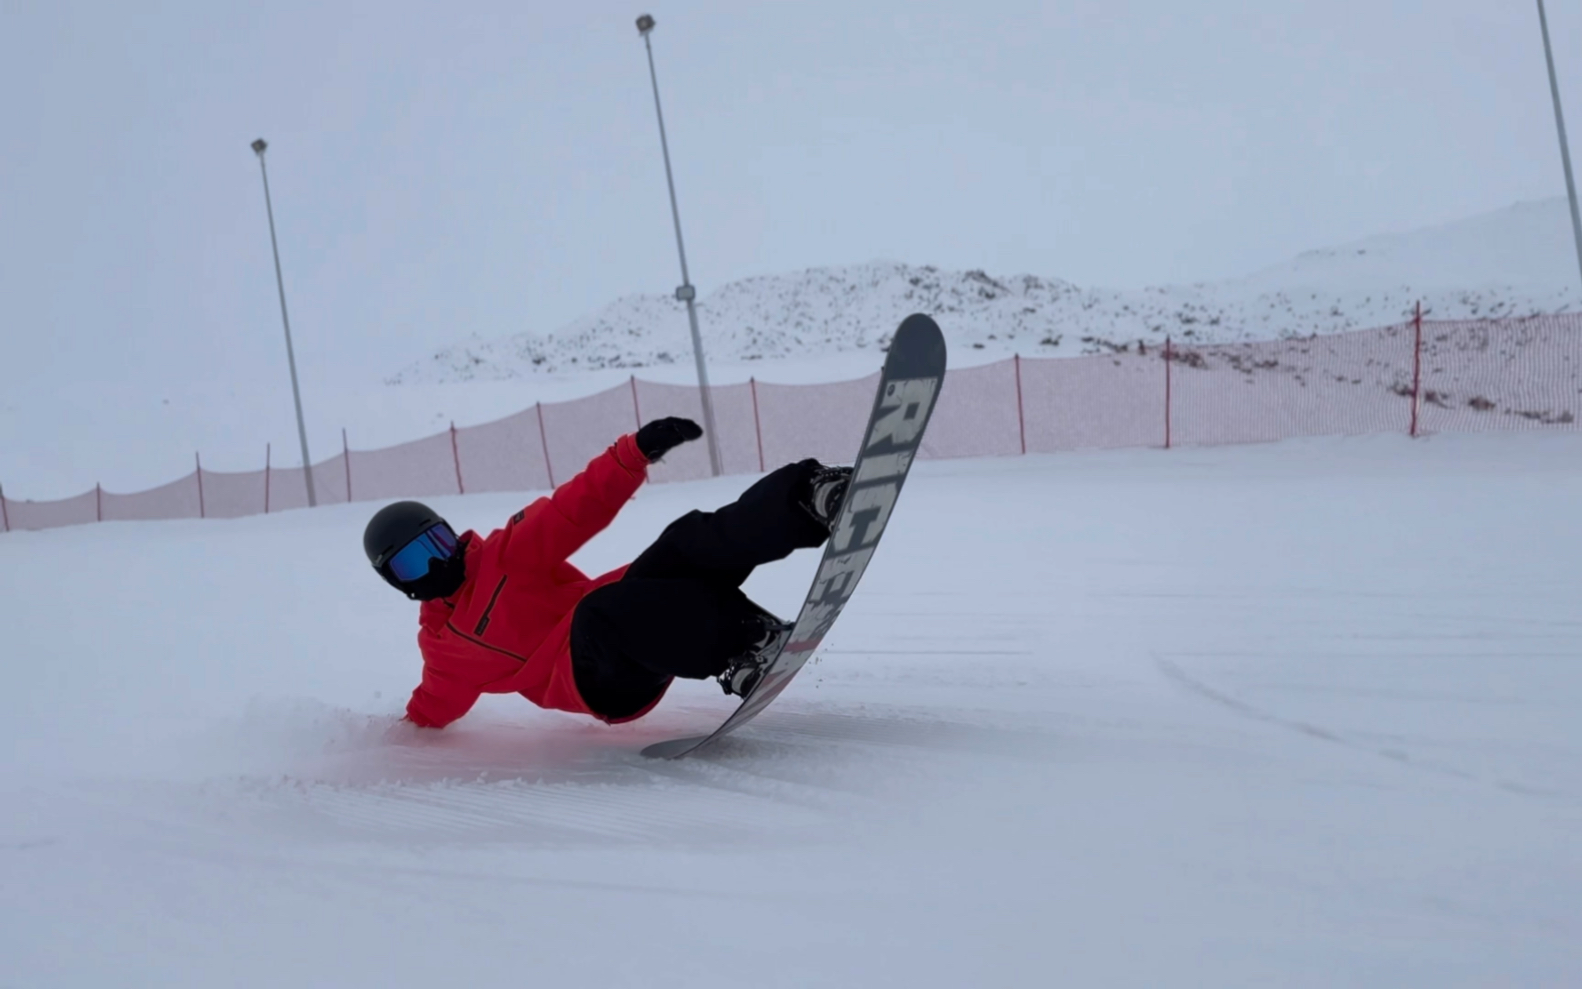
x,y
1298,714
1395,753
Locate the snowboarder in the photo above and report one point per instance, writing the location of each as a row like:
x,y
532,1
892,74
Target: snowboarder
x,y
507,613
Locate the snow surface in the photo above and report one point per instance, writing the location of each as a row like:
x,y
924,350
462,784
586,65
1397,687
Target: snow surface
x,y
1302,715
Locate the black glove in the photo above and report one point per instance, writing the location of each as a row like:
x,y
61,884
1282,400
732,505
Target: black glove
x,y
663,435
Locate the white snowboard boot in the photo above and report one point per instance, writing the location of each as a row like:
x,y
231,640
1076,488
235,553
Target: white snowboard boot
x,y
744,672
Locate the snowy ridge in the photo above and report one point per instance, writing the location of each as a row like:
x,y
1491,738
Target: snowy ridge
x,y
1511,263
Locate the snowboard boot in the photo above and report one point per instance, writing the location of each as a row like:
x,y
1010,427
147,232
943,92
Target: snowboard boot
x,y
744,672
826,492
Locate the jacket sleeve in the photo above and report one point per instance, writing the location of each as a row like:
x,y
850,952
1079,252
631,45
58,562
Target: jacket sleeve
x,y
551,529
439,699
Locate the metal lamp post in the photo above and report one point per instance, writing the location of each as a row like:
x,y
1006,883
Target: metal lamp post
x,y
291,359
1560,127
686,293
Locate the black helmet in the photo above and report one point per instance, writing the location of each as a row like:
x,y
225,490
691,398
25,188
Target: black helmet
x,y
415,551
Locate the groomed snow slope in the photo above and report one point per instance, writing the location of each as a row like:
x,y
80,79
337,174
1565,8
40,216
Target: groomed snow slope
x,y
1297,715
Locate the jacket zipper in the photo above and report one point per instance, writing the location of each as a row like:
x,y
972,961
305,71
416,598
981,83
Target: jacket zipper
x,y
483,622
482,644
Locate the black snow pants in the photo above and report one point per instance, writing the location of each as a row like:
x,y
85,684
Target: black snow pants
x,y
679,610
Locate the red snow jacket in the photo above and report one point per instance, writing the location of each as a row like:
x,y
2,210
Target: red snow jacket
x,y
508,629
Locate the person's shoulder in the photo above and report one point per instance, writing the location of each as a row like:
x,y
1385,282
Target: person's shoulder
x,y
433,615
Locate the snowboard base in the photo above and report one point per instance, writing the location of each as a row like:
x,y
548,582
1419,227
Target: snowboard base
x,y
674,747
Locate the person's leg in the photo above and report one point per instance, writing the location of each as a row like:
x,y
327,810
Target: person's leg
x,y
766,523
630,637
679,610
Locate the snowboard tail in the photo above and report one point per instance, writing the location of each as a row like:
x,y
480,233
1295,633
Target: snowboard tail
x,y
914,371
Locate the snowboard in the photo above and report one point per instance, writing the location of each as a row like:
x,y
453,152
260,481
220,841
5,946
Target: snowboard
x,y
909,386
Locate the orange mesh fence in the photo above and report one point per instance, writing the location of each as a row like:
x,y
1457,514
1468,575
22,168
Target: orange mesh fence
x,y
733,419
1518,375
577,431
504,455
1420,376
176,500
50,514
1094,402
1349,384
286,487
820,421
977,414
417,469
233,495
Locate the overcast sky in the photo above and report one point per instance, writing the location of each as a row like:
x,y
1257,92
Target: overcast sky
x,y
440,173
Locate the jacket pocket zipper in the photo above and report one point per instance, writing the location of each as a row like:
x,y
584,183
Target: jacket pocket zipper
x,y
483,622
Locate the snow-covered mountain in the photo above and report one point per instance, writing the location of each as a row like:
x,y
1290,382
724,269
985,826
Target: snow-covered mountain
x,y
1514,262
826,324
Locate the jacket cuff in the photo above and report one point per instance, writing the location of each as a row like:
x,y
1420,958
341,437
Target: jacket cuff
x,y
630,457
416,715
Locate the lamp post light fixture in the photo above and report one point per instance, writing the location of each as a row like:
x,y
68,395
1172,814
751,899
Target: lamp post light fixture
x,y
1560,127
259,146
686,292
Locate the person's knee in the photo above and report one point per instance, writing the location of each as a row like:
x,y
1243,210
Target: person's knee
x,y
674,545
791,482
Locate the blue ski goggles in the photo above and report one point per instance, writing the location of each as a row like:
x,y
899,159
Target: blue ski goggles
x,y
411,561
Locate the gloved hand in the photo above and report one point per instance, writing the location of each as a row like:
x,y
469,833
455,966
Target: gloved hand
x,y
663,435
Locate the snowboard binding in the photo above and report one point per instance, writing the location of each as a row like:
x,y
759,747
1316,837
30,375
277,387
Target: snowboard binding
x,y
826,491
744,672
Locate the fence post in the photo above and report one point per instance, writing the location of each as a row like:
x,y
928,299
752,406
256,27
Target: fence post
x,y
757,426
346,457
543,438
266,478
637,413
1417,366
198,459
1021,418
98,503
455,455
5,517
1169,359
